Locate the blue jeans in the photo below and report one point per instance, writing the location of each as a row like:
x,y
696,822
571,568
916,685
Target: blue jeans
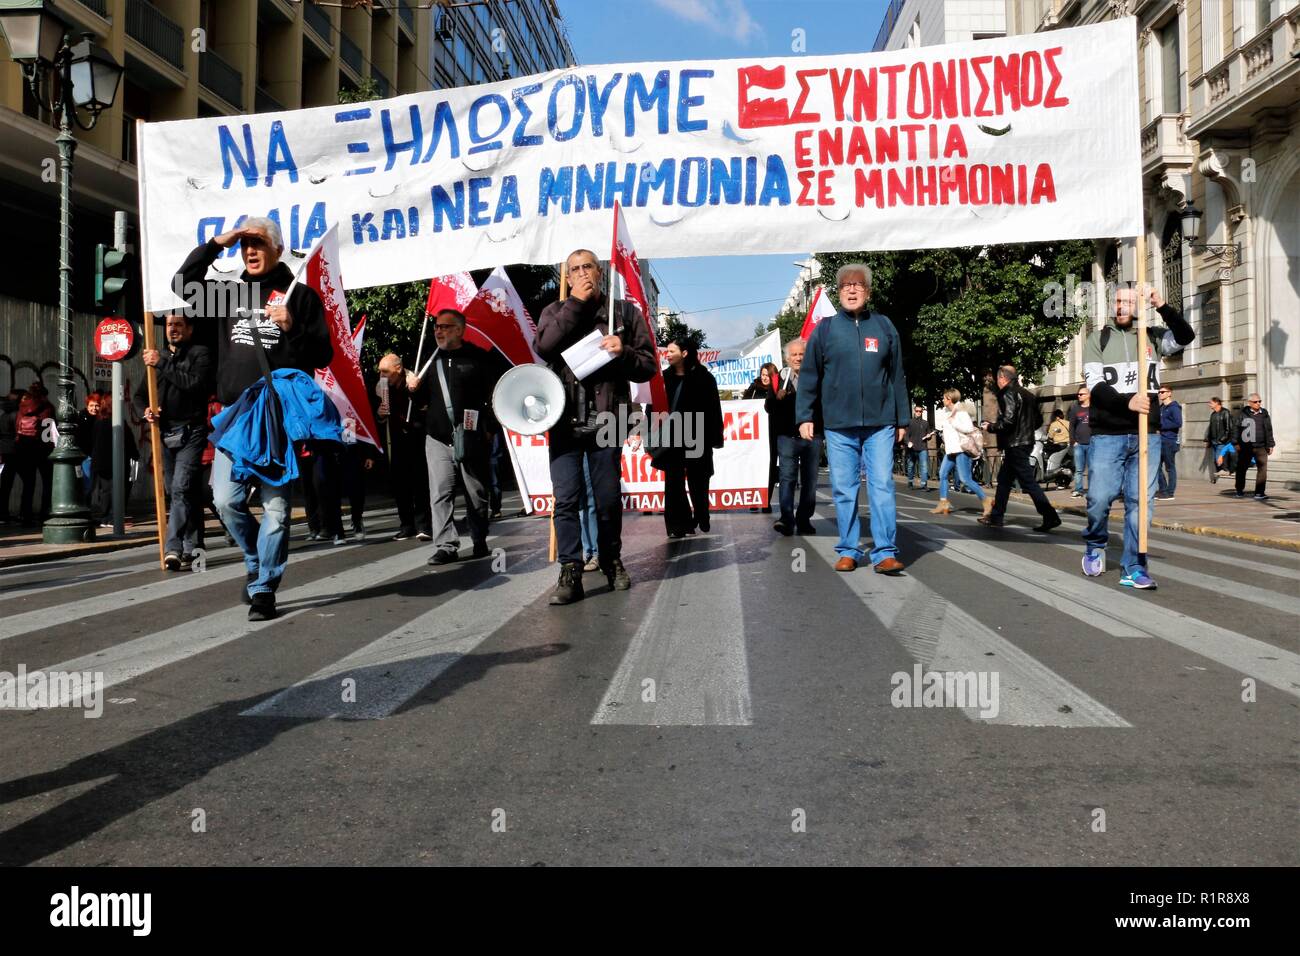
x,y
265,545
961,461
798,465
587,513
1112,473
914,459
1080,466
1168,468
873,449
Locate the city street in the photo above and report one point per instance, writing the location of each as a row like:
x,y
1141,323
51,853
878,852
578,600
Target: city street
x,y
737,706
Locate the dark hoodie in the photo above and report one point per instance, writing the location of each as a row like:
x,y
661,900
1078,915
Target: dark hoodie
x,y
305,347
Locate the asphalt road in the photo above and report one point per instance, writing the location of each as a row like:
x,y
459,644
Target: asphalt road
x,y
736,706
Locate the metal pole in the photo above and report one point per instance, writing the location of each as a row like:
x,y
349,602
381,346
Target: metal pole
x,y
119,437
69,520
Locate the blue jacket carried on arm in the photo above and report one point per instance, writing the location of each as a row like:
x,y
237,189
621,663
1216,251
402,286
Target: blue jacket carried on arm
x,y
853,370
257,432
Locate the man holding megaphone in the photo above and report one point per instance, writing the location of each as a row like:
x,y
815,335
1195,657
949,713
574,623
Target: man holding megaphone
x,y
602,392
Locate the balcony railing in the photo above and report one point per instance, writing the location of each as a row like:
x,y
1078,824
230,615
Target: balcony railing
x,y
99,6
382,86
264,102
149,25
221,78
351,55
1164,142
319,20
1254,77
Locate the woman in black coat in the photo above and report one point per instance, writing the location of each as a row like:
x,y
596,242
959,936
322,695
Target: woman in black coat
x,y
693,395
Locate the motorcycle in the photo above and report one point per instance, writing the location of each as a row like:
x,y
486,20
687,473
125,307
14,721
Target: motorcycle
x,y
1052,463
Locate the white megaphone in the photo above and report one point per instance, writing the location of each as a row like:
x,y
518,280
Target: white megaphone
x,y
528,399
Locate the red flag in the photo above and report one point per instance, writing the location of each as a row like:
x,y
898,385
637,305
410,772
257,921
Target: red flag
x,y
625,265
342,381
450,292
496,319
820,308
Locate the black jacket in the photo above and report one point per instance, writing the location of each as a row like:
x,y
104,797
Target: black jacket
x,y
472,374
100,446
8,429
917,429
185,382
1254,430
1018,417
698,398
757,390
1221,427
306,346
563,323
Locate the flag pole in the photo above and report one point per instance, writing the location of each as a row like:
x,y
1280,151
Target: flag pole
x,y
553,548
155,443
419,353
613,273
1144,463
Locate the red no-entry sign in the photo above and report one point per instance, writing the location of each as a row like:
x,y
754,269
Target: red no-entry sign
x,y
115,339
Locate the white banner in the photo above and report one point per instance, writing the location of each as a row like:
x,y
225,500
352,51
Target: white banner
x,y
737,368
1015,139
739,466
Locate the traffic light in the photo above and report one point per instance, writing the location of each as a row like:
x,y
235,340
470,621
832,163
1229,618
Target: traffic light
x,y
113,273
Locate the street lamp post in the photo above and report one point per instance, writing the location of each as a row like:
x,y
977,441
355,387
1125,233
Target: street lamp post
x,y
82,75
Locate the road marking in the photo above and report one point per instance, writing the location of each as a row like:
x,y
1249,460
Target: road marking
x,y
393,669
689,643
131,659
1097,603
944,638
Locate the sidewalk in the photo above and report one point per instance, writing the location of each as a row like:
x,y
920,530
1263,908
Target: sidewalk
x,y
1206,509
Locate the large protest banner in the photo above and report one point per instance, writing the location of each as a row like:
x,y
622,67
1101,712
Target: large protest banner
x,y
739,467
1016,139
736,368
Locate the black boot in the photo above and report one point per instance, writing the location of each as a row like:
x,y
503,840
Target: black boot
x,y
570,587
617,576
263,606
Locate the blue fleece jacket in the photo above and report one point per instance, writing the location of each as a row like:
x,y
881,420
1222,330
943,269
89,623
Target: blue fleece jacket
x,y
853,369
258,435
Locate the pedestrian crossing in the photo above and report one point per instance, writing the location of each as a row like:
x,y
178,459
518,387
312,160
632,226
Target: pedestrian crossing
x,y
688,657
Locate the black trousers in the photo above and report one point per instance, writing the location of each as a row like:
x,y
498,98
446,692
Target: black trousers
x,y
1016,463
568,483
680,513
1258,454
408,480
322,488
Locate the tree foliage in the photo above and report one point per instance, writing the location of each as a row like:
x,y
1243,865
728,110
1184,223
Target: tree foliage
x,y
674,327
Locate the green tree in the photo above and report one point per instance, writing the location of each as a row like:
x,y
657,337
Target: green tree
x,y
962,312
674,326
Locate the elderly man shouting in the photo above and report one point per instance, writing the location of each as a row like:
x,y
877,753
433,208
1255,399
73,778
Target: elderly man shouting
x,y
853,374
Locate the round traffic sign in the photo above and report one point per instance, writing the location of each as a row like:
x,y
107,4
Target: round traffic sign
x,y
114,339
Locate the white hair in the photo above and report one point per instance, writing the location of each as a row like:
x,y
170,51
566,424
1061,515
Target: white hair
x,y
853,269
271,227
785,349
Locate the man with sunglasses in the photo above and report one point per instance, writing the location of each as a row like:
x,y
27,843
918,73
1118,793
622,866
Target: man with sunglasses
x,y
1254,441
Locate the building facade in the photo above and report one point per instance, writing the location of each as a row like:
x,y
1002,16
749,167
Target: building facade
x,y
913,23
1220,88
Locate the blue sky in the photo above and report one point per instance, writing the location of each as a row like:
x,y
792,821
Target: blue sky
x,y
628,31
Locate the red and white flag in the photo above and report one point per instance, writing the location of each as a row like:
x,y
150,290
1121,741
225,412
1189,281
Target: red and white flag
x,y
820,308
342,381
625,266
450,292
496,318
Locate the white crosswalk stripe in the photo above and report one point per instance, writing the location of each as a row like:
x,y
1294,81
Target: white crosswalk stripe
x,y
689,644
391,670
946,639
131,659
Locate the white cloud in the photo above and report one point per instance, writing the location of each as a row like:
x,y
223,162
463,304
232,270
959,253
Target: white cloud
x,y
727,17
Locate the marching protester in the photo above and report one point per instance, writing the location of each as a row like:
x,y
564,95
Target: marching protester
x,y
319,472
916,453
574,438
402,425
1171,423
1220,432
458,424
761,389
798,456
32,452
8,449
1254,442
100,449
854,371
1080,436
959,434
692,391
1017,421
272,330
356,459
1110,369
184,372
